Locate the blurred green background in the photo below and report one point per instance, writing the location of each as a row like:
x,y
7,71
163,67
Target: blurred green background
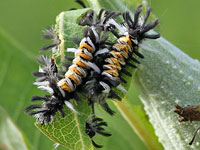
x,y
21,25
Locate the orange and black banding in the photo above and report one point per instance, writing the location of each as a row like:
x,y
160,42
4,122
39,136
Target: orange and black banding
x,y
73,77
119,55
126,47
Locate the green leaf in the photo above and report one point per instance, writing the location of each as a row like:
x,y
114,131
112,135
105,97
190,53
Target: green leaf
x,y
138,122
24,25
10,136
122,135
20,85
70,131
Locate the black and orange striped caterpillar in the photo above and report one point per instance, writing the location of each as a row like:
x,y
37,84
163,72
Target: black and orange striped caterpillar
x,y
117,57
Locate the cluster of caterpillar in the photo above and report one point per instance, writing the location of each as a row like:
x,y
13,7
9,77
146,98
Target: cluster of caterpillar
x,y
97,66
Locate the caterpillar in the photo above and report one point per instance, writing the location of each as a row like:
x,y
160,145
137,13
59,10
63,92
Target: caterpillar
x,y
63,89
47,78
114,59
81,62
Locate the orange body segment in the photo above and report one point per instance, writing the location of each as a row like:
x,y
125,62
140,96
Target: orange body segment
x,y
73,69
110,66
80,64
65,87
115,62
88,47
125,39
112,72
70,76
83,55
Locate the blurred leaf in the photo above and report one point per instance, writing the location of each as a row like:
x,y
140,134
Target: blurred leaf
x,y
16,87
11,137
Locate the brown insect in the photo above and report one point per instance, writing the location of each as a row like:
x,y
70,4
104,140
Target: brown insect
x,y
189,113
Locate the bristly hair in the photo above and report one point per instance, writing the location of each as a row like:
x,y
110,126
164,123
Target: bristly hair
x,y
98,21
47,81
88,83
139,31
95,125
135,30
50,34
98,92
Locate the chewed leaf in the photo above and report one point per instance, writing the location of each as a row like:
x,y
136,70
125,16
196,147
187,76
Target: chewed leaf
x,y
10,136
70,130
